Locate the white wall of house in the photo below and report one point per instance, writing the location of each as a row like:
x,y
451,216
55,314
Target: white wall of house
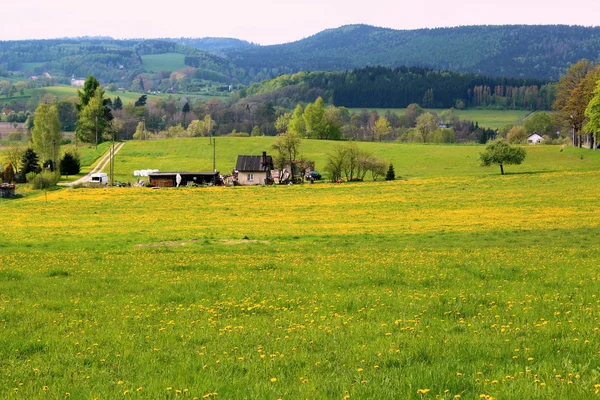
x,y
252,178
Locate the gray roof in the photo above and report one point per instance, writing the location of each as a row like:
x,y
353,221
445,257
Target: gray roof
x,y
253,164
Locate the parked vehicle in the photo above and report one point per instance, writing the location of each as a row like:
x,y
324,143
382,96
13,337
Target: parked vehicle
x,y
100,178
314,175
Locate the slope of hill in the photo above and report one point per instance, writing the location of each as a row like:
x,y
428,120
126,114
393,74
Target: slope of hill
x,y
542,51
214,45
118,61
382,87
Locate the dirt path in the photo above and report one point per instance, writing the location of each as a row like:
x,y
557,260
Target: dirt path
x,y
98,168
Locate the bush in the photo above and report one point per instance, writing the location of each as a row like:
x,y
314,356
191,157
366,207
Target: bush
x,y
16,136
43,180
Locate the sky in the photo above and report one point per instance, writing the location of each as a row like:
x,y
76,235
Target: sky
x,y
268,21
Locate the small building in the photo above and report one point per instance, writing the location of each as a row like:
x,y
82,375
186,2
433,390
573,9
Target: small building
x,y
169,179
535,139
253,170
77,82
7,190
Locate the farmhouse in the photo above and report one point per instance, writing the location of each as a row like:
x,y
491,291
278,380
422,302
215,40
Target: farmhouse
x,y
253,170
535,139
169,179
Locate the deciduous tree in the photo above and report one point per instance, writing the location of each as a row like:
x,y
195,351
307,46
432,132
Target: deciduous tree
x,y
45,136
501,153
288,148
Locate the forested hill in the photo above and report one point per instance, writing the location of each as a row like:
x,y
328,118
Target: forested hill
x,y
123,62
536,51
214,45
383,87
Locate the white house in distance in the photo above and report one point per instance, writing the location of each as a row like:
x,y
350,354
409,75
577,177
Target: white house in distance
x,y
79,82
535,139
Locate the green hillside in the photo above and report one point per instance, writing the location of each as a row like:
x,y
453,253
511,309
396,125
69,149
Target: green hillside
x,y
163,62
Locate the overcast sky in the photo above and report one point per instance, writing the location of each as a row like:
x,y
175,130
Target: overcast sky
x,y
270,21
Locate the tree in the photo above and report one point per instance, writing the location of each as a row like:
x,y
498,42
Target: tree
x,y
314,119
94,119
516,135
382,128
287,147
297,123
334,123
592,112
8,176
195,128
69,165
45,136
140,132
185,110
426,125
541,123
14,155
282,122
118,104
209,125
87,93
413,111
335,163
568,102
29,163
255,131
501,153
141,101
390,175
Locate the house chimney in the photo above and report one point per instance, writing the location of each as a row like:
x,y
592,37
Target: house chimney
x,y
264,159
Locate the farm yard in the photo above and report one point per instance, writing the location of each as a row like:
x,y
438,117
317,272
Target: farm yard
x,y
453,282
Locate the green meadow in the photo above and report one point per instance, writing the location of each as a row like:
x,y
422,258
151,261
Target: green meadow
x,y
163,62
486,118
452,282
409,159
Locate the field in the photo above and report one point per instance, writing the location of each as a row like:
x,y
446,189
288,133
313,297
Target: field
x,y
410,160
163,62
451,284
486,118
65,92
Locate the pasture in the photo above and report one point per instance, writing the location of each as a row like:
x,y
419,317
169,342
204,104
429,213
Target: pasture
x,y
493,119
410,159
163,62
445,285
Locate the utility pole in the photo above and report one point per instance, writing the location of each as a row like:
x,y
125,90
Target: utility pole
x,y
96,120
214,153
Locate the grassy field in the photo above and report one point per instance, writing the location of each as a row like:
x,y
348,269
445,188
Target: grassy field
x,y
410,160
65,92
451,284
163,62
486,118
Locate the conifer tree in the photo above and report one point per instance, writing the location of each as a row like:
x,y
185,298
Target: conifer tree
x,y
391,175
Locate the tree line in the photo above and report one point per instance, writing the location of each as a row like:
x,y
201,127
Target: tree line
x,y
381,87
